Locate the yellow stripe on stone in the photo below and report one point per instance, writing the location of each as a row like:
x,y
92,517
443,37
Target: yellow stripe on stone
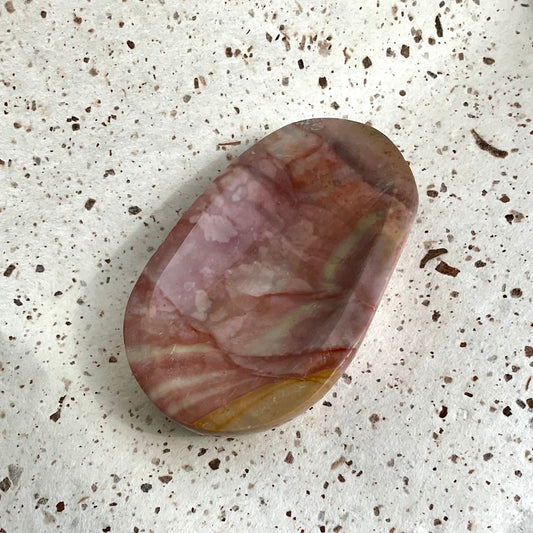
x,y
269,405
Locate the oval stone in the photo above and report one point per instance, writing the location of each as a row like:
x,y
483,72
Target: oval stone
x,y
260,296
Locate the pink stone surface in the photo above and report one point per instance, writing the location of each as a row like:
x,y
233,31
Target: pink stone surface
x,y
261,294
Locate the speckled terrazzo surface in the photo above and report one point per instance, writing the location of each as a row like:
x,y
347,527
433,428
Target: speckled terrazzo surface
x,y
115,116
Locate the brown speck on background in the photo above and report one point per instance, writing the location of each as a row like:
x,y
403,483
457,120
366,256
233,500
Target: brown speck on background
x,y
5,484
145,487
60,507
528,350
214,464
507,411
516,292
488,61
446,269
9,6
405,50
54,417
131,45
165,479
323,82
89,204
443,412
39,268
484,145
504,198
289,458
134,210
9,270
367,62
77,20
431,254
438,26
93,72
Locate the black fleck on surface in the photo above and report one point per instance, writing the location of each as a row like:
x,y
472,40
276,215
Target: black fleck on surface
x,y
145,487
367,62
300,64
446,269
131,45
323,82
54,417
5,484
516,292
487,456
39,268
480,264
289,458
484,145
438,26
443,412
507,411
405,51
214,464
134,210
9,270
89,204
431,254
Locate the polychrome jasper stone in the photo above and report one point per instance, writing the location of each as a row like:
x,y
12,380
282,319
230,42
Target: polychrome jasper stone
x,y
260,296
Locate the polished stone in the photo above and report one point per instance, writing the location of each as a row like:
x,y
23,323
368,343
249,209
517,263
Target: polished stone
x,y
260,296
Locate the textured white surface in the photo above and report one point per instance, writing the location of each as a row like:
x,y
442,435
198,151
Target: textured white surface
x,y
382,453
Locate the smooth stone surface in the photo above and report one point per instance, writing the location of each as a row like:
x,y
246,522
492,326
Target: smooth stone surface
x,y
258,299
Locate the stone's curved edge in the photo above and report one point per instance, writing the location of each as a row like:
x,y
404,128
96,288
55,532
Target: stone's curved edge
x,y
346,136
274,402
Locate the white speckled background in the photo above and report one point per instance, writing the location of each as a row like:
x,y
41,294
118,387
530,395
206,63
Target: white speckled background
x,y
112,115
